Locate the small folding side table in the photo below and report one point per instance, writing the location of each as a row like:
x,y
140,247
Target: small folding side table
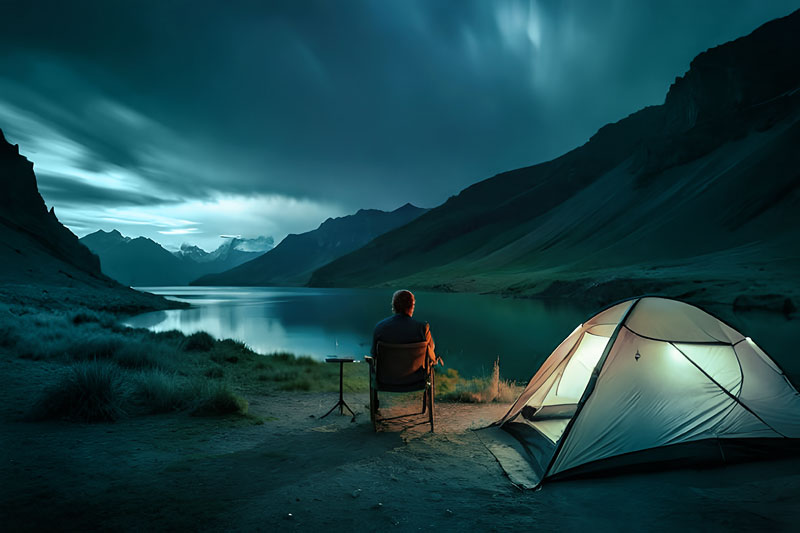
x,y
341,403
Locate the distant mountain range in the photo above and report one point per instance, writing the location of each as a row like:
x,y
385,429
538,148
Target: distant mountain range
x,y
143,262
293,260
696,196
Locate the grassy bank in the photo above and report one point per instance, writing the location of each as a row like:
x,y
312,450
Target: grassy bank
x,y
99,370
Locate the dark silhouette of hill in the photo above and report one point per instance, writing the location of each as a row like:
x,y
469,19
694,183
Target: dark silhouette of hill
x,y
703,188
143,262
295,257
42,261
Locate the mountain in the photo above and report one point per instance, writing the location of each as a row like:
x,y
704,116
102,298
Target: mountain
x,y
293,260
232,253
698,197
42,261
136,262
143,262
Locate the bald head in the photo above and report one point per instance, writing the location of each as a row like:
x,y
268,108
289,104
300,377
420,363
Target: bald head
x,y
403,302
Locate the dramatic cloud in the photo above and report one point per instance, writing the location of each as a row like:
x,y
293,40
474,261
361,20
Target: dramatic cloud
x,y
182,120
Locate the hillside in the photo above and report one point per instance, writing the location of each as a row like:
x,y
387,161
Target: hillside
x,y
143,262
42,261
293,260
698,197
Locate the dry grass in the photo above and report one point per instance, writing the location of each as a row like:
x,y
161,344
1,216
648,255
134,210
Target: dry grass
x,y
452,387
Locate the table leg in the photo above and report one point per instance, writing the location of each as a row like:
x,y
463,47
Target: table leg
x,y
341,404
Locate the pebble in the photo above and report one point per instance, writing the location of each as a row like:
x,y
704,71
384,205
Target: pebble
x,y
356,493
448,512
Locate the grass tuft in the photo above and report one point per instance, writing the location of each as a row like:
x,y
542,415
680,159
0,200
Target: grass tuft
x,y
452,387
214,372
159,392
91,392
199,342
218,399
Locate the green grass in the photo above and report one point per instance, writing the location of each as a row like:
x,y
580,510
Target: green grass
x,y
217,399
199,342
156,391
112,371
91,392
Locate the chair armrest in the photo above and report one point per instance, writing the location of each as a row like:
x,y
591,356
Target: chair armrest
x,y
370,360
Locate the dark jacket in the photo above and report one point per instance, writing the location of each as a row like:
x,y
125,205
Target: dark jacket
x,y
402,329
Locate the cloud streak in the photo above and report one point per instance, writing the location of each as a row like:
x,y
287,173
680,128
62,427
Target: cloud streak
x,y
296,110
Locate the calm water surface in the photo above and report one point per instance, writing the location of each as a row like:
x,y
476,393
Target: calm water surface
x,y
470,330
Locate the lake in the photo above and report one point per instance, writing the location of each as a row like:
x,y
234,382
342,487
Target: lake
x,y
470,330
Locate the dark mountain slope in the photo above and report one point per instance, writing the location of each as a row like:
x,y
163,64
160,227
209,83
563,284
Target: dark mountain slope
x,y
41,260
703,187
137,262
293,260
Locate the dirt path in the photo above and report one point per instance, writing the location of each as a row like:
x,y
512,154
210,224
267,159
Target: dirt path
x,y
296,472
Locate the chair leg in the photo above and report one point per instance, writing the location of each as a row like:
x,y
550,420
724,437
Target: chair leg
x,y
424,400
430,401
373,415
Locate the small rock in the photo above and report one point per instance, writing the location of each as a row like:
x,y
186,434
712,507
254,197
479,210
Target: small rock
x,y
356,493
378,506
448,512
289,516
436,497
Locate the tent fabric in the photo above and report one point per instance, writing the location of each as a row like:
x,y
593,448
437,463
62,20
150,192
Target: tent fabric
x,y
648,373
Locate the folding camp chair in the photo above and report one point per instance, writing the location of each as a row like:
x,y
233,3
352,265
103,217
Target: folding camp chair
x,y
400,368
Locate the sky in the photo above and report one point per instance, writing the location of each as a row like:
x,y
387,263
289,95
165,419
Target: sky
x,y
184,120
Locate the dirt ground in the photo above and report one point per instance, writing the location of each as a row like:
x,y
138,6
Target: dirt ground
x,y
299,472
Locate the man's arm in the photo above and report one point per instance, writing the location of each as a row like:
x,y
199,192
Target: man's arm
x,y
431,345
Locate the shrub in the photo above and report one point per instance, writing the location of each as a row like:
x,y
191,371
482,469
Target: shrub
x,y
232,345
101,318
283,375
282,357
218,357
199,342
218,399
297,384
159,392
97,346
214,372
142,354
91,392
170,335
8,336
81,317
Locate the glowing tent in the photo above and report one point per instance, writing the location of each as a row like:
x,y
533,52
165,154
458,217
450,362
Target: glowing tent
x,y
648,379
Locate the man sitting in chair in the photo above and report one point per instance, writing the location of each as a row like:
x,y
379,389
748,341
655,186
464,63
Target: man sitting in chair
x,y
400,328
